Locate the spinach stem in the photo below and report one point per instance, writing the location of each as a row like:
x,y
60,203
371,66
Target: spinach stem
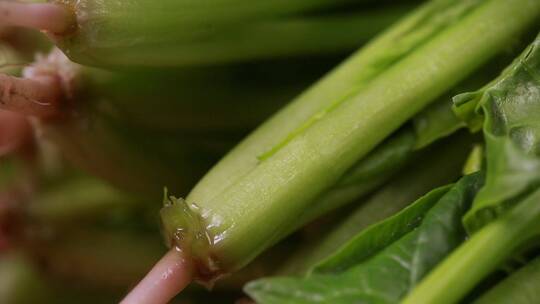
x,y
248,204
480,255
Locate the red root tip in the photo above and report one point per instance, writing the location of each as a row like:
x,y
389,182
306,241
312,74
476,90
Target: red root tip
x,y
39,96
15,132
168,278
49,17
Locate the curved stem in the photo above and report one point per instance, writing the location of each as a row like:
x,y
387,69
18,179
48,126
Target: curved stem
x,y
36,97
49,17
479,256
168,278
15,132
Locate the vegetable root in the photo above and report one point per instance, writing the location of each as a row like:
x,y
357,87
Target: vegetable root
x,y
168,277
35,97
48,17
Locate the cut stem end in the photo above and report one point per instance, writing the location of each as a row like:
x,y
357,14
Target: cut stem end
x,y
168,278
49,17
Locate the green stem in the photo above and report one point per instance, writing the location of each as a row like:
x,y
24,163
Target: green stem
x,y
138,32
365,176
281,38
247,204
480,255
355,72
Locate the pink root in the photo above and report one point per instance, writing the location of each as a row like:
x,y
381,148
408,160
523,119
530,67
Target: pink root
x,y
168,278
49,17
15,132
39,96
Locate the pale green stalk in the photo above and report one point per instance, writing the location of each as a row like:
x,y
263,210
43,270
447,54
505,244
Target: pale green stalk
x,y
479,256
270,39
153,33
258,191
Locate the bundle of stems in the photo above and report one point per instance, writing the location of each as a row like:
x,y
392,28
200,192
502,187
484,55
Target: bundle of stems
x,y
381,153
128,34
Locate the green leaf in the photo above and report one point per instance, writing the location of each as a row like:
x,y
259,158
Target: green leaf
x,y
395,195
511,106
505,214
384,262
481,254
379,236
520,288
426,170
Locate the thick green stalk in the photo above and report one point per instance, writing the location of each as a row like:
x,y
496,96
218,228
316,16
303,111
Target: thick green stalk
x,y
138,32
479,256
364,177
352,75
260,189
273,39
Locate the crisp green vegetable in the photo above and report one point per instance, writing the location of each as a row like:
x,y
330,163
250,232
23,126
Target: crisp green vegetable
x,y
433,123
138,32
505,214
385,261
257,192
480,255
158,91
510,105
